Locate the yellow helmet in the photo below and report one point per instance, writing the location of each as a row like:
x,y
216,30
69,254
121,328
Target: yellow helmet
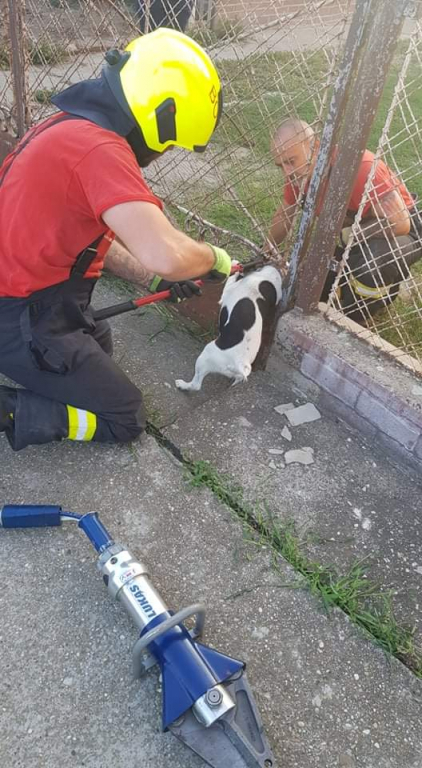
x,y
172,89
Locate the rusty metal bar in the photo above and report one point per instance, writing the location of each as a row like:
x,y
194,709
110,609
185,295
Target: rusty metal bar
x,y
387,17
17,43
352,54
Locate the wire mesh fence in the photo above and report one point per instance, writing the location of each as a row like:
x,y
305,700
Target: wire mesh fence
x,y
380,283
63,41
276,60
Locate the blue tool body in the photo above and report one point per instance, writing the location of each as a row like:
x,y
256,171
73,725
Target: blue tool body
x,y
207,702
189,669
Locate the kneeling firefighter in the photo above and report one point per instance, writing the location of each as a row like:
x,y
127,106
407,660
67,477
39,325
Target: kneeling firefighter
x,y
72,197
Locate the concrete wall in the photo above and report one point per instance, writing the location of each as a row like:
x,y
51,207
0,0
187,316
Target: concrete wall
x,y
362,385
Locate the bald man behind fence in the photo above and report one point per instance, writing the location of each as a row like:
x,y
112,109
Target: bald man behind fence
x,y
390,222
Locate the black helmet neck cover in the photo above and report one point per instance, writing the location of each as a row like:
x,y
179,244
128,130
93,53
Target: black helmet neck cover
x,y
103,102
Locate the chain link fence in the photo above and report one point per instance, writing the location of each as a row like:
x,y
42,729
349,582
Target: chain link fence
x,y
61,42
388,278
276,60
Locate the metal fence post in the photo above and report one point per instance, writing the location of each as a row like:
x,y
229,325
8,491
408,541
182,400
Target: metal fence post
x,y
18,51
351,58
364,93
205,12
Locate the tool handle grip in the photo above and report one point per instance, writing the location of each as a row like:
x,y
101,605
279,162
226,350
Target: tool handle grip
x,y
127,306
116,309
30,515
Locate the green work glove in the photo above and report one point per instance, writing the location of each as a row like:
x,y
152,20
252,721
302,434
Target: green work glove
x,y
344,237
222,265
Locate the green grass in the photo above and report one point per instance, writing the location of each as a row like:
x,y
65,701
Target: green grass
x,y
355,593
406,315
406,158
43,95
404,154
154,415
42,53
277,80
65,3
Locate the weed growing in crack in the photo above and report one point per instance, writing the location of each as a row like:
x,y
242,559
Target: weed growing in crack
x,y
362,599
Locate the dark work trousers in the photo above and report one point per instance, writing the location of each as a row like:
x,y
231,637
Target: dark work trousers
x,y
379,264
51,345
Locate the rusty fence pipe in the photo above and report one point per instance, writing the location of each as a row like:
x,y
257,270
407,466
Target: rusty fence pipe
x,y
17,45
351,58
364,96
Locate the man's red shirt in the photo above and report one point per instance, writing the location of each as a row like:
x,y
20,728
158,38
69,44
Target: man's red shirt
x,y
384,181
52,200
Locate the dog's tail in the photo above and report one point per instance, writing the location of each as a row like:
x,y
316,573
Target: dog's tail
x,y
241,374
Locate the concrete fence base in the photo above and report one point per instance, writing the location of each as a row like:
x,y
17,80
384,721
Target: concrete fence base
x,y
360,383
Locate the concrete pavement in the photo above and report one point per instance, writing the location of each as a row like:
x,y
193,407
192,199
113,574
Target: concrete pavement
x,y
327,695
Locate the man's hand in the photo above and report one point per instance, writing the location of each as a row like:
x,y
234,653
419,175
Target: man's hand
x,y
344,236
281,224
183,289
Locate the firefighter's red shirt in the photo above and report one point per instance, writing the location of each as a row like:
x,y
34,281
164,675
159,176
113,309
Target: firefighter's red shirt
x,y
384,181
52,199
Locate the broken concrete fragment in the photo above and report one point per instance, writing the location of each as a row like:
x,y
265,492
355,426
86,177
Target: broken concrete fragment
x,y
285,432
284,407
303,414
243,422
276,451
280,464
299,456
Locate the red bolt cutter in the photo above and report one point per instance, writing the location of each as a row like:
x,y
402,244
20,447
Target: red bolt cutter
x,y
129,306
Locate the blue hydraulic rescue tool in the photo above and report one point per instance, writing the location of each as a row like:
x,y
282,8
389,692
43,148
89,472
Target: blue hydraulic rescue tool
x,y
207,701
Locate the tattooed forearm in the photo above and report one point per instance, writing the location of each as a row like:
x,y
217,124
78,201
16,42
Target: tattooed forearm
x,y
119,261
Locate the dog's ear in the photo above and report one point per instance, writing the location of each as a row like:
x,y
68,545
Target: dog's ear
x,y
267,301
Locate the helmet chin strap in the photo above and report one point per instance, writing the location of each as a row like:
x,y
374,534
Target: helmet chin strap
x,y
144,155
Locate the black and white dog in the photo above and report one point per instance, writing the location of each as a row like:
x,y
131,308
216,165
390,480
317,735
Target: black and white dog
x,y
247,302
